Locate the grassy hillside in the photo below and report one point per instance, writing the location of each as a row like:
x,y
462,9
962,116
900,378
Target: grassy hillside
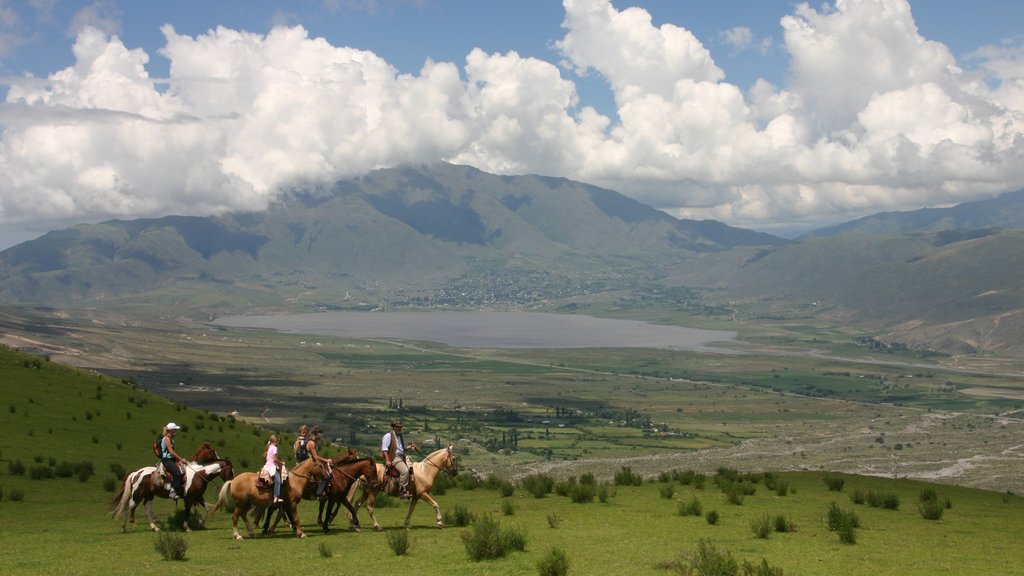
x,y
57,418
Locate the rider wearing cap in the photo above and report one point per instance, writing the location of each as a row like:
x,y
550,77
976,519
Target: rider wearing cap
x,y
170,458
392,449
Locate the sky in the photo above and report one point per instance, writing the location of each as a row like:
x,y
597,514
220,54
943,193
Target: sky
x,y
773,115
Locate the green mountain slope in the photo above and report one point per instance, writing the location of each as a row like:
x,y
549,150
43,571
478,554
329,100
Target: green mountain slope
x,y
1005,211
404,233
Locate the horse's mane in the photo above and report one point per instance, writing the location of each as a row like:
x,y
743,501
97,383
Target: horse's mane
x,y
204,448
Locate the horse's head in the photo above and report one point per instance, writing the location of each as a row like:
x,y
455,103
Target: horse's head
x,y
206,455
227,472
351,454
369,473
451,462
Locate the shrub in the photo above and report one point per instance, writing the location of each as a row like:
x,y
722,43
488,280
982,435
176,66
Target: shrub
x,y
457,516
762,569
326,551
930,509
16,467
171,546
582,493
891,502
506,489
110,484
589,479
486,540
65,469
553,563
398,541
711,517
691,508
781,488
734,496
603,493
667,492
834,482
707,560
843,523
16,495
538,484
508,507
554,520
40,472
761,527
858,496
783,524
626,477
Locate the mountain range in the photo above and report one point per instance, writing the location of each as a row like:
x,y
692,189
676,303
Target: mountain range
x,y
444,235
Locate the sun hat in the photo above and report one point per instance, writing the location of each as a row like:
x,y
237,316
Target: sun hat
x,y
396,422
172,426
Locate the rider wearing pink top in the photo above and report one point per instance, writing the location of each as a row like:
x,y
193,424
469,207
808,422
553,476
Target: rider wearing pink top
x,y
273,466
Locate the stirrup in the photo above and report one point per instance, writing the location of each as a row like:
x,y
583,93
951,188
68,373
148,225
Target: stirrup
x,y
172,494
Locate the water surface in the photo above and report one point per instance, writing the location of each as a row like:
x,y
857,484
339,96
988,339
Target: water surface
x,y
492,329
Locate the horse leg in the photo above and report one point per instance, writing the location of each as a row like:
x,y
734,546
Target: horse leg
x,y
150,515
188,510
437,509
371,505
352,511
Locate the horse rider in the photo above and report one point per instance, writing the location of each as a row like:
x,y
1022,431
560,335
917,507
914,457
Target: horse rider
x,y
392,449
310,444
301,452
170,458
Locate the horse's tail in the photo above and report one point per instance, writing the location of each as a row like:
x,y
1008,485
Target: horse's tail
x,y
224,498
122,500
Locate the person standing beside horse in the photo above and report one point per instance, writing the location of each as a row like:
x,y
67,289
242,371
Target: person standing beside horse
x,y
170,459
273,466
392,449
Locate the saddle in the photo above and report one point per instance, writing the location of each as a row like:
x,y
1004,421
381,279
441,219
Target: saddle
x,y
391,485
264,480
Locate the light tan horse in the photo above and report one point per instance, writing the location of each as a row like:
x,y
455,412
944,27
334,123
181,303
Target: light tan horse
x,y
245,494
423,475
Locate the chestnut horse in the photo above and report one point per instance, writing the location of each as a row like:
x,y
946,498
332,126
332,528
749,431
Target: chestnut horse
x,y
246,494
422,481
344,474
142,485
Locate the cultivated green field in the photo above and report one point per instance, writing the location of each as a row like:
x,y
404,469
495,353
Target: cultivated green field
x,y
65,422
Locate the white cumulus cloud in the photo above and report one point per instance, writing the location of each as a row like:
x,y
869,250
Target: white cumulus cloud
x,y
873,117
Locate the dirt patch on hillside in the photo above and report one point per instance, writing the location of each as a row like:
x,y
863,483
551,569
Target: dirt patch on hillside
x,y
994,392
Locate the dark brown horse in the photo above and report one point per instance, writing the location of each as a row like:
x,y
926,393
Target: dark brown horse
x,y
344,474
144,484
246,494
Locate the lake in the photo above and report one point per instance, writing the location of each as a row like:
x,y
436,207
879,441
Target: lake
x,y
492,329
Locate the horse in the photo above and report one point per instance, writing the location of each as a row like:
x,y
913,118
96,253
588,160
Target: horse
x,y
422,480
246,494
345,472
142,485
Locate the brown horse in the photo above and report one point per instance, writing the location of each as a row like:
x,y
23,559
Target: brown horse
x,y
344,474
423,475
246,494
142,485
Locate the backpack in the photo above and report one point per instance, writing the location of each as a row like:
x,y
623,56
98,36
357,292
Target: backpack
x,y
156,447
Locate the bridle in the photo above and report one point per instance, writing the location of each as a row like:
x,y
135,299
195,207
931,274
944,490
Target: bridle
x,y
452,469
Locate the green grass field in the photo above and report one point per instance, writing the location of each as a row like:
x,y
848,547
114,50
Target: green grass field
x,y
66,420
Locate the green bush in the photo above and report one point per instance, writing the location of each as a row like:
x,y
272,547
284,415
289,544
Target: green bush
x,y
554,520
626,477
171,546
711,517
16,467
553,563
843,523
930,509
762,569
582,493
783,524
834,482
761,526
691,508
508,507
707,560
40,472
667,492
506,489
326,551
110,484
457,516
398,541
486,540
540,485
